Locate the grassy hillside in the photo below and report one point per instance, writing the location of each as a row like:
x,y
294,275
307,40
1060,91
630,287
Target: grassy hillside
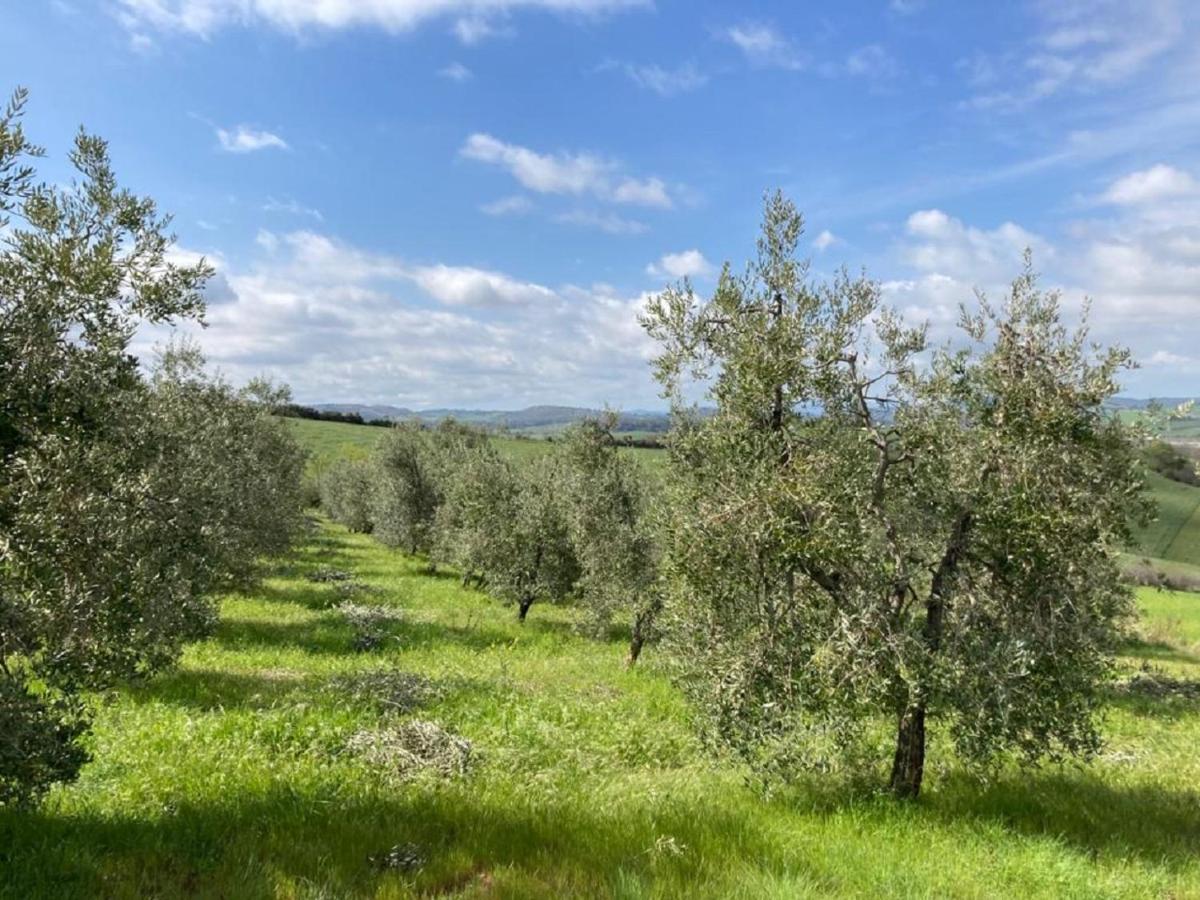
x,y
232,777
327,441
1175,534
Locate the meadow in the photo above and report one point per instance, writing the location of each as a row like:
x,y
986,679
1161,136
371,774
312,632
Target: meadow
x,y
234,775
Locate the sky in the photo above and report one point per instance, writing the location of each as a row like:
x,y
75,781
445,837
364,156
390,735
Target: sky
x,y
466,203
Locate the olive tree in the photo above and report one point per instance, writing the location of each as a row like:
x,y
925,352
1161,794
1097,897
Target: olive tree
x,y
869,528
506,525
122,502
346,489
609,507
406,498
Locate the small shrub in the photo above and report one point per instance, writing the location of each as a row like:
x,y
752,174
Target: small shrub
x,y
412,748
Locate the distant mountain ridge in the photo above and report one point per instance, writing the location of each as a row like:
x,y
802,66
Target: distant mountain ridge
x,y
532,418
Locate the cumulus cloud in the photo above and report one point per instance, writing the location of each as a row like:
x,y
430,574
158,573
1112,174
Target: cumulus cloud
x,y
566,173
1139,267
339,322
473,17
937,242
1160,182
687,264
465,286
245,139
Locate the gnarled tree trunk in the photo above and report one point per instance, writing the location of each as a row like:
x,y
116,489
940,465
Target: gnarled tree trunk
x,y
908,765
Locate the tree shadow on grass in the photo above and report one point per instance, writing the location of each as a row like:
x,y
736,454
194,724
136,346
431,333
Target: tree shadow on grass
x,y
1160,825
1158,652
327,635
211,689
268,845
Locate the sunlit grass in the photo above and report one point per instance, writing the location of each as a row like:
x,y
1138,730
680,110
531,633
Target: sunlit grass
x,y
228,777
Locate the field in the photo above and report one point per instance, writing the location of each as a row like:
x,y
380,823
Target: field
x,y
233,776
230,776
327,441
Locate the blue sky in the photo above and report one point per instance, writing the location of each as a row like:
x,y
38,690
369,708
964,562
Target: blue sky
x,y
466,202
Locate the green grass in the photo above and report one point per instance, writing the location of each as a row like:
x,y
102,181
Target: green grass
x,y
327,441
228,777
1175,533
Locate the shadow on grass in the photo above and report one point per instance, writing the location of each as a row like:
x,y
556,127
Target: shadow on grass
x,y
325,635
267,846
210,689
1158,652
1157,824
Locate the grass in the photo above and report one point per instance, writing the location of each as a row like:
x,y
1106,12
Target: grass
x,y
327,441
229,777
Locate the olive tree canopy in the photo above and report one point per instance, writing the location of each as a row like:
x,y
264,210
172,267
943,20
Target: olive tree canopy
x,y
871,529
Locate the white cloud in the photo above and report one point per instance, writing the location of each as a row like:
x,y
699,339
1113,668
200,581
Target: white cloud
x,y
825,240
1084,45
644,192
340,323
566,173
1160,182
456,71
762,45
245,139
465,286
939,243
516,205
204,17
291,207
664,82
687,264
610,223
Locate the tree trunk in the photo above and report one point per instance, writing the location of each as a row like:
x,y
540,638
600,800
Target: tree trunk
x,y
636,642
908,766
523,609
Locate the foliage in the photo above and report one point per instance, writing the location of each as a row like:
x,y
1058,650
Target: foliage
x,y
609,513
346,487
39,741
1167,461
853,535
122,501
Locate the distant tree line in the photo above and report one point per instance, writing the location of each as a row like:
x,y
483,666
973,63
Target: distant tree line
x,y
125,500
1166,460
296,411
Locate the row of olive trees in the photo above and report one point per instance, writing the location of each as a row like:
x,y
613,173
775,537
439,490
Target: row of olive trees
x,y
572,522
124,500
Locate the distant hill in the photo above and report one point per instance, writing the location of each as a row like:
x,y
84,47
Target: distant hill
x,y
1144,402
544,419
